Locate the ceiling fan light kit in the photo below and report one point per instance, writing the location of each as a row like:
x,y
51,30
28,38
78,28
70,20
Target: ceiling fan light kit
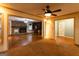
x,y
48,12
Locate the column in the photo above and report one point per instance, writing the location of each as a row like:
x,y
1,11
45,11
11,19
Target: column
x,y
49,28
5,31
76,30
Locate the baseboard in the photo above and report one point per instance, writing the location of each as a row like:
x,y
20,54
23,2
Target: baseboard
x,y
66,37
76,44
3,51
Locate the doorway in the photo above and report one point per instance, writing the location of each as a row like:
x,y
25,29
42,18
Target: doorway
x,y
64,31
64,27
22,31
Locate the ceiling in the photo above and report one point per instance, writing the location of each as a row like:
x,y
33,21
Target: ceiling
x,y
36,8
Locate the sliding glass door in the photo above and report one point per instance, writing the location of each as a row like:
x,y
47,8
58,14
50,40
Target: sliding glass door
x,y
64,27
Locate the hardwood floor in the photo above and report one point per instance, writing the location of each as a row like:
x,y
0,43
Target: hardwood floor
x,y
22,39
46,47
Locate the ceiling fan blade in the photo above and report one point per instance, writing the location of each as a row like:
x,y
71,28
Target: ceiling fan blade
x,y
54,14
43,9
58,10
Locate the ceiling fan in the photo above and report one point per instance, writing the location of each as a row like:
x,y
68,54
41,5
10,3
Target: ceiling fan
x,y
49,12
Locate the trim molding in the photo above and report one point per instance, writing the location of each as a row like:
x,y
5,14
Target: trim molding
x,y
76,45
68,14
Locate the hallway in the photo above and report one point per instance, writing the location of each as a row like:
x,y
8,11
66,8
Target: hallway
x,y
46,47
